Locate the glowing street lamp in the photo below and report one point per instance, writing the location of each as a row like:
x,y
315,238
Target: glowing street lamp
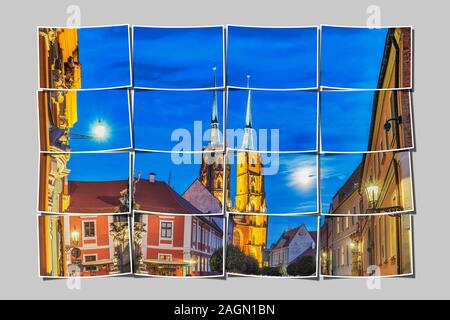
x,y
75,235
372,192
99,131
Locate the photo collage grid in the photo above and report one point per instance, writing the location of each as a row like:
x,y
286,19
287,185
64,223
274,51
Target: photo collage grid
x,y
215,151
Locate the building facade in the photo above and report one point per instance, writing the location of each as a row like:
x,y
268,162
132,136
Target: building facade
x,y
339,250
178,241
84,245
379,240
59,63
291,245
179,245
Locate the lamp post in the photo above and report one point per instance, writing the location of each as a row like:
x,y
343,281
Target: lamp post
x,y
372,193
74,250
99,131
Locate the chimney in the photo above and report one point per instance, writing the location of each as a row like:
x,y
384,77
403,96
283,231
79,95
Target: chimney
x,y
152,177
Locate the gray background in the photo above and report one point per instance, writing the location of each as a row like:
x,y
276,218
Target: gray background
x,y
18,74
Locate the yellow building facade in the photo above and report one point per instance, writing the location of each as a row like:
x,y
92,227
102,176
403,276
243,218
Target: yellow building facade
x,y
52,250
59,64
59,69
380,242
385,241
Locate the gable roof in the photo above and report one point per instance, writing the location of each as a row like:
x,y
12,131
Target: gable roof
x,y
95,197
200,197
158,196
287,237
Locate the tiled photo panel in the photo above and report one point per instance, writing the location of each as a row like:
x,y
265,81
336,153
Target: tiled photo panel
x,y
84,121
207,151
178,58
273,121
179,121
174,183
272,183
361,121
84,58
276,58
353,246
366,58
267,246
183,246
84,246
372,183
84,183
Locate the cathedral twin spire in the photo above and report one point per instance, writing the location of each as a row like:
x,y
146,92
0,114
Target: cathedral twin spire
x,y
247,143
214,139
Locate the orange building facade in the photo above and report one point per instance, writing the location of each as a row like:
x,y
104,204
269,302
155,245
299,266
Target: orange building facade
x,y
84,246
179,245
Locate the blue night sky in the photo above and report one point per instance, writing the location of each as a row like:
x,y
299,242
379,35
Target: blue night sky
x,y
334,172
99,166
290,182
294,113
274,57
158,113
177,58
111,108
278,225
104,57
345,120
351,57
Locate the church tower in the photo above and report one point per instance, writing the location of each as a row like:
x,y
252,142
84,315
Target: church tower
x,y
212,168
250,231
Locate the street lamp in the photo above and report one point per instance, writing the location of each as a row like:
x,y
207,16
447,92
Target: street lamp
x,y
372,192
75,235
75,251
99,131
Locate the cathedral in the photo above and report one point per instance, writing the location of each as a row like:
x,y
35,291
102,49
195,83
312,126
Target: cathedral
x,y
249,229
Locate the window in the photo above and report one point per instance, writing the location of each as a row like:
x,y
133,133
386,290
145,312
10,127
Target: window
x,y
166,229
90,258
379,165
338,225
164,257
342,256
393,236
349,254
347,220
194,235
394,115
89,229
